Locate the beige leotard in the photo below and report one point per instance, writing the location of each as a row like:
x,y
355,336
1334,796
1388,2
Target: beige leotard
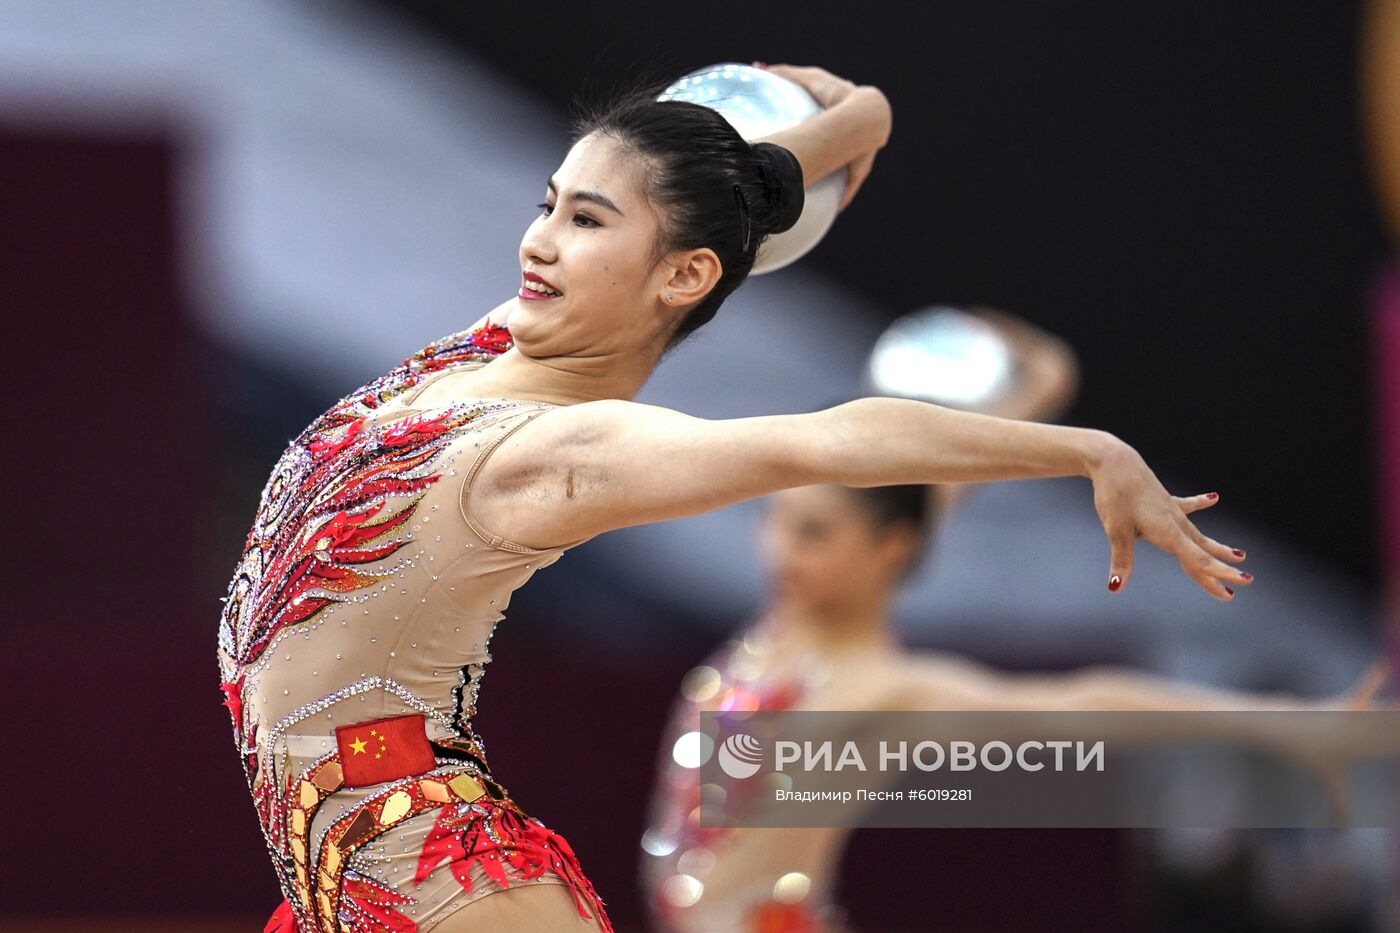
x,y
364,602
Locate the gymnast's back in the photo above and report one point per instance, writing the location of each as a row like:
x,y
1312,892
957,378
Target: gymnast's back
x,y
351,648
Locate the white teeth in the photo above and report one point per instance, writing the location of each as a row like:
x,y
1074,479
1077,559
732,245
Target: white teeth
x,y
542,289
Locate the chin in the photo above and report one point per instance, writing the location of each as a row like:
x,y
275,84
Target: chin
x,y
523,322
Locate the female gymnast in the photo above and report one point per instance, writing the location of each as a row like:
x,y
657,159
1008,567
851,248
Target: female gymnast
x,y
836,557
393,530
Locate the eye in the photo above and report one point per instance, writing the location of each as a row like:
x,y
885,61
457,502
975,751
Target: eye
x,y
584,220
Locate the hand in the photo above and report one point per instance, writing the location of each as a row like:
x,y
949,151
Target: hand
x,y
1046,370
1330,754
1132,504
829,90
1363,693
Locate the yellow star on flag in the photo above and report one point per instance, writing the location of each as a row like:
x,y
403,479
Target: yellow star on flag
x,y
359,746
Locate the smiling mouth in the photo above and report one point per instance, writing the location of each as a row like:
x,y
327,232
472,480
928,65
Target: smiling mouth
x,y
537,290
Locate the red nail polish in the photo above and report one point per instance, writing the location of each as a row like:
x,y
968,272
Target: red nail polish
x,y
1246,575
760,64
1230,591
1237,552
1114,582
1212,496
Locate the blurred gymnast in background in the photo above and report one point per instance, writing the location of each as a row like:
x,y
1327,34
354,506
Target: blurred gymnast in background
x,y
835,558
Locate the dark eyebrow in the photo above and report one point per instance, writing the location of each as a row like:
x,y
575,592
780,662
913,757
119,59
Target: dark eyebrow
x,y
591,196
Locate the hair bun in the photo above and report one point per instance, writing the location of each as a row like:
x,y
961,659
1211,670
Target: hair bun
x,y
782,180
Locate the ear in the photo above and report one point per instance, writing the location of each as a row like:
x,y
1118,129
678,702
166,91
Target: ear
x,y
694,272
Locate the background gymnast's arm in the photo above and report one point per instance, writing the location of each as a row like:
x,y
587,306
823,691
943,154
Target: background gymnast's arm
x,y
928,680
1047,380
1325,746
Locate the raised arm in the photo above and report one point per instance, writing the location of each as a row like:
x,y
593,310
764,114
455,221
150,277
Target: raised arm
x,y
1048,372
583,469
855,125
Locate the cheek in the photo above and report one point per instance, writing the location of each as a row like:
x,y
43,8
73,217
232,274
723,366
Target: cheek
x,y
823,563
832,566
613,263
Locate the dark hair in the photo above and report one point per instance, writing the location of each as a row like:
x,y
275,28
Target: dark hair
x,y
714,188
889,505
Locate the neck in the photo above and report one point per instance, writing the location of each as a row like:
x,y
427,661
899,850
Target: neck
x,y
565,380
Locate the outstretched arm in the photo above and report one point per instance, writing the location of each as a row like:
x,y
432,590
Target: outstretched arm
x,y
1327,746
583,469
933,681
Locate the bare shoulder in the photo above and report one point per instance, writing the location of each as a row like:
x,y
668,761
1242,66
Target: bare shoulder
x,y
560,436
496,316
536,487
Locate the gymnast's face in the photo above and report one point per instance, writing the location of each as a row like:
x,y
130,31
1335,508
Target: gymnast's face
x,y
594,242
825,552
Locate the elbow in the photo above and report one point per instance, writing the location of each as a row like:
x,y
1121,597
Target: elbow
x,y
878,104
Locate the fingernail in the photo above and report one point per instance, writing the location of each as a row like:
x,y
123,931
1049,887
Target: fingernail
x,y
1246,575
1114,582
1212,496
1237,552
760,64
1230,591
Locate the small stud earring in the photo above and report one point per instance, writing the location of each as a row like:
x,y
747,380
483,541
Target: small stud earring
x,y
668,297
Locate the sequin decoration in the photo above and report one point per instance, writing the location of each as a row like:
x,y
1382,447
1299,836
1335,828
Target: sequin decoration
x,y
477,822
340,519
319,518
496,834
680,850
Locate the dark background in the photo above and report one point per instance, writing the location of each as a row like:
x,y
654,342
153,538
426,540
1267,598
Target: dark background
x,y
1178,189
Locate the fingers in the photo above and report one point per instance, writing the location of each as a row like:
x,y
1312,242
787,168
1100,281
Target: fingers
x,y
1364,695
1219,551
856,174
1213,575
1203,558
1191,504
1120,562
788,71
1222,551
1132,506
824,86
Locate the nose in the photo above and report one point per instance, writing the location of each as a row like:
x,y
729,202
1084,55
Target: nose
x,y
537,245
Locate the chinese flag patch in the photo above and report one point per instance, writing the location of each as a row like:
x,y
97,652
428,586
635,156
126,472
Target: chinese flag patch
x,y
384,750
